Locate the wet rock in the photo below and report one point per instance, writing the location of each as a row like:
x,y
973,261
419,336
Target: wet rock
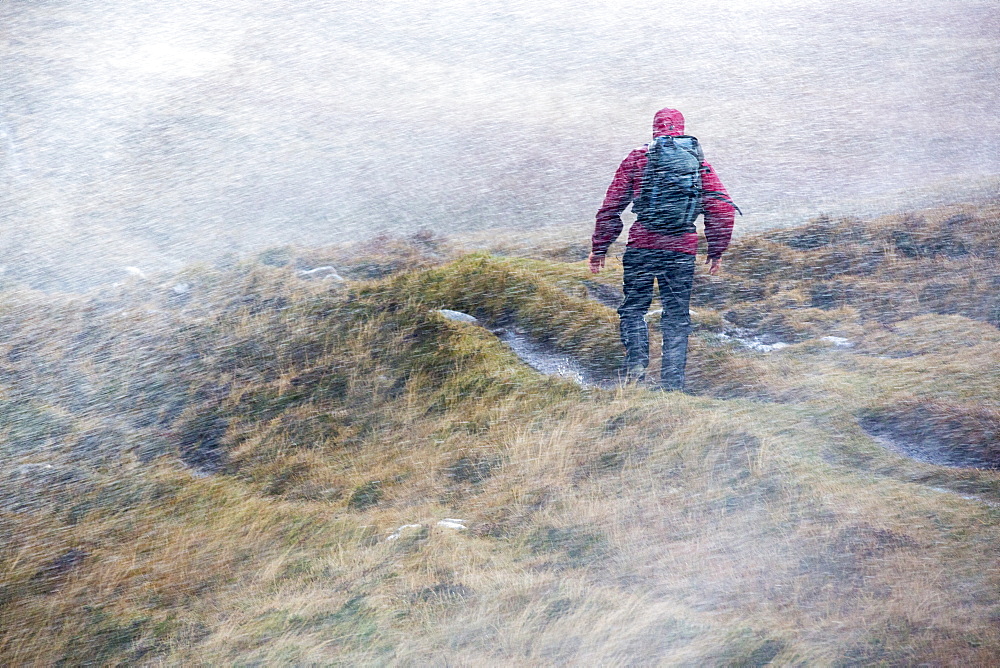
x,y
457,316
325,272
398,533
838,341
409,538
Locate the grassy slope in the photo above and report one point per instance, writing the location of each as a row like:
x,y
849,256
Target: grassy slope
x,y
754,521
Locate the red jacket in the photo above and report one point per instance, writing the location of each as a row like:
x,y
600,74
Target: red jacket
x,y
627,184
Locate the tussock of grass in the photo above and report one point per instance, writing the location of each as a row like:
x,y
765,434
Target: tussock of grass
x,y
502,291
755,522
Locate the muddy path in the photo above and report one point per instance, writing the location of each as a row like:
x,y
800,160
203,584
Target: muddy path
x,y
543,358
550,362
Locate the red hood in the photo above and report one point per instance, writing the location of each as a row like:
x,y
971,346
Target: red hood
x,y
668,122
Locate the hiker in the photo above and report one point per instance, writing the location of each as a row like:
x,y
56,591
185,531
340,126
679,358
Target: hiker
x,y
669,185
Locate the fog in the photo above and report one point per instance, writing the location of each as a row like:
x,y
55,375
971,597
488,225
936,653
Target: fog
x,y
155,135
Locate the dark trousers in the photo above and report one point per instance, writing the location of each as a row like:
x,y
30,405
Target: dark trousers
x,y
674,272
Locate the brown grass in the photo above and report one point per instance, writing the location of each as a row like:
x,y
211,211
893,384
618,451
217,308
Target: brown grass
x,y
755,522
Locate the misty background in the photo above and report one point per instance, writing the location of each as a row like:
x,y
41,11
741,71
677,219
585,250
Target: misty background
x,y
156,135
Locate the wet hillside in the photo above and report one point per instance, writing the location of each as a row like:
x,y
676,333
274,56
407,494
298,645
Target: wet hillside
x,y
312,456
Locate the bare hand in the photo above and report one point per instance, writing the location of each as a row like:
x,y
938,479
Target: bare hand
x,y
714,266
596,263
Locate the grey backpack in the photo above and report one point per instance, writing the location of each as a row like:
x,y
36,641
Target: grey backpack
x,y
670,200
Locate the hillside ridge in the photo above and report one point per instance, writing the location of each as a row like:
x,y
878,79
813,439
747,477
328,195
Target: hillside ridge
x,y
267,466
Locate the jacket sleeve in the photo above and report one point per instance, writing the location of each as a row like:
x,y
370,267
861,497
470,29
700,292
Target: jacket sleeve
x,y
609,217
719,212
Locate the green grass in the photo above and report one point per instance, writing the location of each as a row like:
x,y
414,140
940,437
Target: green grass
x,y
754,521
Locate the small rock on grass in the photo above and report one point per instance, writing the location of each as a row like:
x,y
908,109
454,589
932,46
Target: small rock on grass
x,y
838,341
399,532
325,272
458,316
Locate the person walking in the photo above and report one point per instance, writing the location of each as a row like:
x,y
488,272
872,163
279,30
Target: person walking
x,y
669,184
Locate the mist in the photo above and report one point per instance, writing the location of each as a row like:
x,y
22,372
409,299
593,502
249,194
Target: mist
x,y
160,135
302,365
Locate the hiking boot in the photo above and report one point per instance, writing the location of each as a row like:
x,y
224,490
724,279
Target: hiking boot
x,y
635,374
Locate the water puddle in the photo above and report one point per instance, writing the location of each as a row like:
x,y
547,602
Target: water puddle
x,y
766,343
762,343
540,357
751,341
544,360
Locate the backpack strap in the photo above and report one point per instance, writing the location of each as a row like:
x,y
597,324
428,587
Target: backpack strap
x,y
715,194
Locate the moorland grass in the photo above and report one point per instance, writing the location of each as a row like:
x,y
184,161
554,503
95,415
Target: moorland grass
x,y
224,475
